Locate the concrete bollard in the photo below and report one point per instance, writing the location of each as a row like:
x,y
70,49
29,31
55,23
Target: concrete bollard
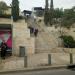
x,y
25,61
71,58
49,59
0,60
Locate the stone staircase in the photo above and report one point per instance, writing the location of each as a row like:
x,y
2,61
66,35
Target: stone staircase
x,y
46,42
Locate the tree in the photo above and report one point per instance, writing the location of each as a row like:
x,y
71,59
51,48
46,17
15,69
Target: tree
x,y
3,7
46,18
46,13
68,18
58,13
39,13
51,13
15,9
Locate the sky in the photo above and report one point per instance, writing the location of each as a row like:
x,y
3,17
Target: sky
x,y
28,4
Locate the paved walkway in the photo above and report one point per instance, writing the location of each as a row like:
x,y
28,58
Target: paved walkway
x,y
18,62
46,40
12,63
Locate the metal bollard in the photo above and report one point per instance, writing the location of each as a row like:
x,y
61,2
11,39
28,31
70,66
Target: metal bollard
x,y
49,59
25,61
71,58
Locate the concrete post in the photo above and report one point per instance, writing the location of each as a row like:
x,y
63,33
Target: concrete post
x,y
71,58
25,61
0,60
49,59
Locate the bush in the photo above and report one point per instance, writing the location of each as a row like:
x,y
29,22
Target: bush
x,y
20,17
8,16
5,16
68,41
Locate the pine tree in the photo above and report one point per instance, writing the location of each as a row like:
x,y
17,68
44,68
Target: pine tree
x,y
15,9
51,13
46,13
51,5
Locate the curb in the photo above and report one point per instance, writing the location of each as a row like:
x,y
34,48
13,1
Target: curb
x,y
34,69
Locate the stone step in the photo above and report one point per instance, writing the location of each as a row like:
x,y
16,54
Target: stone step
x,y
53,50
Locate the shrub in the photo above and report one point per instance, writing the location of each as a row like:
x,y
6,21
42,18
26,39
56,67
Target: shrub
x,y
5,16
8,16
68,41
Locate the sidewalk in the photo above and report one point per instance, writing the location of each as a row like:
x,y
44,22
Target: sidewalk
x,y
17,63
12,63
34,69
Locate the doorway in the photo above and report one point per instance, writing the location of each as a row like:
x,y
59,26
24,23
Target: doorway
x,y
6,36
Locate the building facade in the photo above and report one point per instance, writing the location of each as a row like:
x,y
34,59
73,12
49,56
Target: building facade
x,y
16,35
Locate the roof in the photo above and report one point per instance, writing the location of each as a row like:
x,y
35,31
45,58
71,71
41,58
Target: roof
x,y
27,12
37,8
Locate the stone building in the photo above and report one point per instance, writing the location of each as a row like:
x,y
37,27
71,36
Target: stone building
x,y
16,35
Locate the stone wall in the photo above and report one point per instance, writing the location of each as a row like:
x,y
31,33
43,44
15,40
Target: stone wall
x,y
20,36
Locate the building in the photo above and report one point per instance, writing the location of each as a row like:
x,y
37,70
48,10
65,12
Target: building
x,y
16,34
39,11
26,13
8,11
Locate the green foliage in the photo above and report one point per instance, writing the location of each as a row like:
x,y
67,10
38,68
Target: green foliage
x,y
8,16
67,23
3,7
58,13
51,13
5,16
15,9
64,18
51,16
68,41
20,17
39,13
68,18
46,13
46,18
